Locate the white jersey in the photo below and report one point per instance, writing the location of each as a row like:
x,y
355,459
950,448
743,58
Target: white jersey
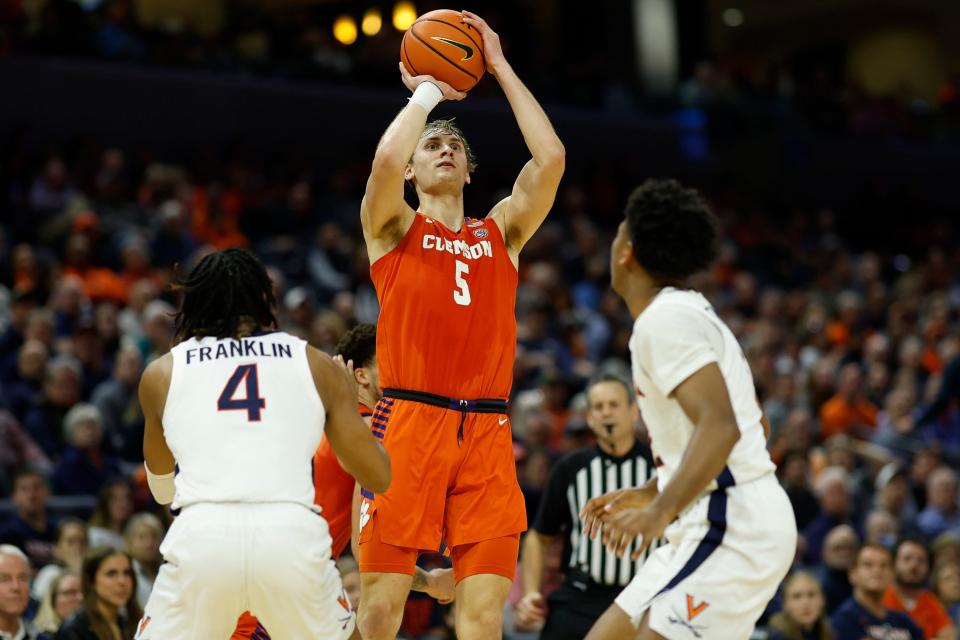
x,y
678,334
243,420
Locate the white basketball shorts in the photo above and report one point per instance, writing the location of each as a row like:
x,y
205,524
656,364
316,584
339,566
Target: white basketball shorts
x,y
723,562
270,559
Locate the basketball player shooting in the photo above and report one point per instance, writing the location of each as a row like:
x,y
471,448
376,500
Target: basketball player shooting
x,y
445,348
236,395
729,526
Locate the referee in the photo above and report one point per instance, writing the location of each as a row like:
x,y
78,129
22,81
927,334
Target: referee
x,y
593,575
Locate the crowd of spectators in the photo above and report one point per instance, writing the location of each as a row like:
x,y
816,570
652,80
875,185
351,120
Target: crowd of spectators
x,y
855,354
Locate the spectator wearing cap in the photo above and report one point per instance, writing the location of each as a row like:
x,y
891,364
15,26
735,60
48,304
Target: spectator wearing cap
x,y
893,495
839,552
15,595
942,512
61,390
908,593
31,528
833,494
848,410
83,468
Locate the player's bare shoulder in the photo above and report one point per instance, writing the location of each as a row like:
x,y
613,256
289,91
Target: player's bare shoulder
x,y
155,381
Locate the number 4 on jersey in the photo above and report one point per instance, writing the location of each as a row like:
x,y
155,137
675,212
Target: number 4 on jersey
x,y
253,403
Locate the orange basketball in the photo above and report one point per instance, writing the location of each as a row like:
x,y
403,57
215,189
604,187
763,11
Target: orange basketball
x,y
441,45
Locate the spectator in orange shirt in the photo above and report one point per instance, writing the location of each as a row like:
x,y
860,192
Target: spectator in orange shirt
x,y
99,283
909,595
216,214
848,409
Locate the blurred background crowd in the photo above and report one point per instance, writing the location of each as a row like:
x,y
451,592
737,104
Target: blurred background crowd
x,y
843,292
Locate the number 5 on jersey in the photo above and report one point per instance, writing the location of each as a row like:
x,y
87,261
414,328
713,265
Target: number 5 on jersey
x,y
462,295
253,403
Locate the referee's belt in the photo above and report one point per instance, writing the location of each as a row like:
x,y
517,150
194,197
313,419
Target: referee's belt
x,y
481,405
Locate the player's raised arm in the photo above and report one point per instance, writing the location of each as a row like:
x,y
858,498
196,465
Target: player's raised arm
x,y
522,213
158,459
358,451
384,214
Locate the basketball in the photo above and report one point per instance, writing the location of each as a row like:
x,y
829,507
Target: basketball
x,y
441,45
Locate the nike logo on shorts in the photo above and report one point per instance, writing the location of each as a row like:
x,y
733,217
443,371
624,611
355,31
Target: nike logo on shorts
x,y
502,420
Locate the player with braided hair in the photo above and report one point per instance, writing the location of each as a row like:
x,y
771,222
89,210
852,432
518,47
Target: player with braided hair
x,y
238,409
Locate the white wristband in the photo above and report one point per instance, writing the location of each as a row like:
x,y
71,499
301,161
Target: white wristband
x,y
162,487
427,95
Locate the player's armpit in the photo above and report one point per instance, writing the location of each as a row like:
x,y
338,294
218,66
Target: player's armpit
x,y
154,384
356,448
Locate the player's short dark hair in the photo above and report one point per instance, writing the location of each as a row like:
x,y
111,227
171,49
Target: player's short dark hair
x,y
359,344
220,291
610,377
905,540
673,231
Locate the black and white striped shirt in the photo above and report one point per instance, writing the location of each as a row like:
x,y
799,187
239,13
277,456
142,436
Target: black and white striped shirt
x,y
584,474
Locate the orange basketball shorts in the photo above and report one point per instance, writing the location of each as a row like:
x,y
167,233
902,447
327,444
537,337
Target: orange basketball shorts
x,y
454,479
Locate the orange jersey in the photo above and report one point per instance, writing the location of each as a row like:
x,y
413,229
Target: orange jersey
x,y
447,323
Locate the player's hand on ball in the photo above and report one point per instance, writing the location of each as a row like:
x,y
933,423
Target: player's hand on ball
x,y
441,585
531,612
620,529
412,82
492,51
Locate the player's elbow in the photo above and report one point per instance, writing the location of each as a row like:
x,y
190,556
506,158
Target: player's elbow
x,y
731,432
554,157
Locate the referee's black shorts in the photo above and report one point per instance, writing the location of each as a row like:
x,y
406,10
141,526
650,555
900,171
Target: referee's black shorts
x,y
573,610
